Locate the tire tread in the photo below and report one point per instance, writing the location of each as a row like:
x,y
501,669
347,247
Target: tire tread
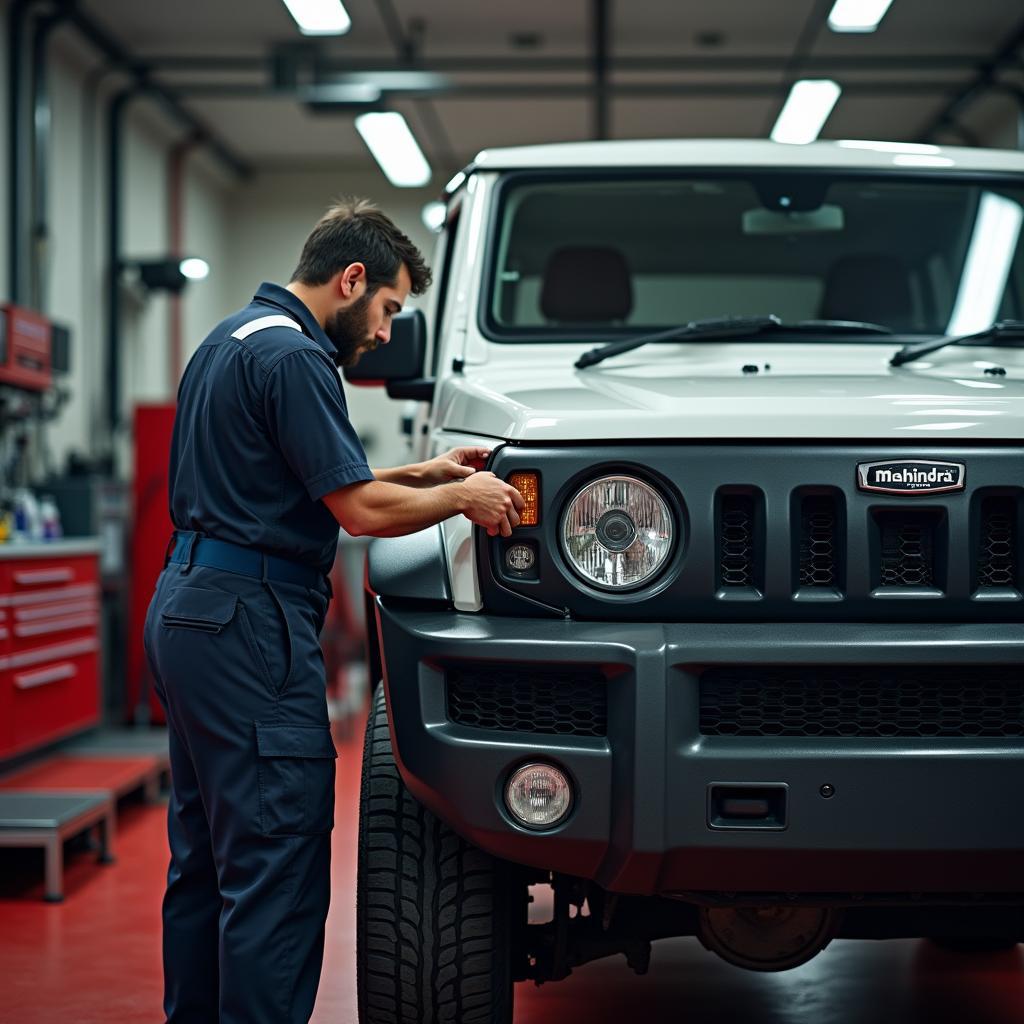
x,y
432,911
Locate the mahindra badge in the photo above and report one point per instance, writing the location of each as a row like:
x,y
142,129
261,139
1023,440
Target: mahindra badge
x,y
911,476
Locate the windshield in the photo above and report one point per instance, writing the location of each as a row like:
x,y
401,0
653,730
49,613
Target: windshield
x,y
612,258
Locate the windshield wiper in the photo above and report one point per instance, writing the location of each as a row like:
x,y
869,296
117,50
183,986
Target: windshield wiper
x,y
1002,330
728,327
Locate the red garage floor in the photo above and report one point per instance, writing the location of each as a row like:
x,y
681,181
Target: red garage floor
x,y
96,958
115,773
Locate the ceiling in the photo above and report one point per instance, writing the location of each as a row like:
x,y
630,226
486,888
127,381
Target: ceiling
x,y
524,72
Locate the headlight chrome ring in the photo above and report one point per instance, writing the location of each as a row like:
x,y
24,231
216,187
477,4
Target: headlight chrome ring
x,y
617,532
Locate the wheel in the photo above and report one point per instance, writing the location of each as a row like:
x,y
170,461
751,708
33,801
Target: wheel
x,y
433,928
973,944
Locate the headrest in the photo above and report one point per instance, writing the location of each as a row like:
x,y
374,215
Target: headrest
x,y
873,287
585,284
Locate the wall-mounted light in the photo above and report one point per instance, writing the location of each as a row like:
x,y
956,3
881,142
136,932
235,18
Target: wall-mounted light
x,y
170,274
433,215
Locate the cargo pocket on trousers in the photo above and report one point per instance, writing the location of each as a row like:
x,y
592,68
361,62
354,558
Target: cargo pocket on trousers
x,y
296,779
207,611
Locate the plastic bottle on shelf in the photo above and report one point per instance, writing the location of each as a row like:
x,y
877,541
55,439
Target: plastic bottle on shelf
x,y
28,523
49,516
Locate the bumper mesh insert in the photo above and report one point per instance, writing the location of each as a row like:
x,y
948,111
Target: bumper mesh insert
x,y
864,701
569,701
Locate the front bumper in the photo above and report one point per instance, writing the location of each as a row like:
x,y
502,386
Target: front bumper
x,y
907,815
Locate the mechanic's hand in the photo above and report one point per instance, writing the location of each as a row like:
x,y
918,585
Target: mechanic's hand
x,y
457,464
492,503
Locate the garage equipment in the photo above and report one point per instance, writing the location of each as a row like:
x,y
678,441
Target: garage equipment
x,y
47,819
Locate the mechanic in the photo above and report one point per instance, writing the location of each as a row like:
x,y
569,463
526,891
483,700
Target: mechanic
x,y
264,466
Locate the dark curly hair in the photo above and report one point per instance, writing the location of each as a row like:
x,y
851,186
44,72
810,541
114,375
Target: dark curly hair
x,y
355,231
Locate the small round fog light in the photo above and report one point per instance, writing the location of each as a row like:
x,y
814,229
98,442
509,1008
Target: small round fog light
x,y
538,795
520,558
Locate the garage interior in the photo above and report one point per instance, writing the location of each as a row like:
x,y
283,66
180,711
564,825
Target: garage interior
x,y
162,161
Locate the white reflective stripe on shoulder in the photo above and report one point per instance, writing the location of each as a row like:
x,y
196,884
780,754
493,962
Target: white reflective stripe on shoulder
x,y
275,320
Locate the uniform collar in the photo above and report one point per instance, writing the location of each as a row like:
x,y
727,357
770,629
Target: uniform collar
x,y
275,295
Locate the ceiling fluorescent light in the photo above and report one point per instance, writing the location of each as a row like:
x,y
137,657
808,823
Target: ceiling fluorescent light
x,y
987,266
857,15
319,17
395,148
341,93
807,108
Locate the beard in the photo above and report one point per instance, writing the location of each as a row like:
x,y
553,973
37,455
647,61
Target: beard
x,y
348,330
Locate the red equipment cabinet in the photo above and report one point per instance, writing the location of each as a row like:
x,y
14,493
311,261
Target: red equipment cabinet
x,y
26,348
151,531
49,644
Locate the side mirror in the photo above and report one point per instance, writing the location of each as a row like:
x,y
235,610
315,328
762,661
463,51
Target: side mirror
x,y
398,366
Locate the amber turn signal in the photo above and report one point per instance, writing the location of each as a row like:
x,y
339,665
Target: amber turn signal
x,y
528,485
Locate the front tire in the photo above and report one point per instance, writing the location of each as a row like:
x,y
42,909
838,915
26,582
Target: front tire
x,y
433,927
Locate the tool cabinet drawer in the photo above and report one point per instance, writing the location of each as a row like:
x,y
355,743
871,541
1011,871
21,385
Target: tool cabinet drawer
x,y
49,692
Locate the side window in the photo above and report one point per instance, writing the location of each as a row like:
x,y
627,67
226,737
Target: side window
x,y
444,279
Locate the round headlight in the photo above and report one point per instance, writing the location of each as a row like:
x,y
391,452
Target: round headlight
x,y
617,532
538,795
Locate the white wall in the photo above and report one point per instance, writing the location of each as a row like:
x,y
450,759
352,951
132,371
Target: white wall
x,y
76,270
269,219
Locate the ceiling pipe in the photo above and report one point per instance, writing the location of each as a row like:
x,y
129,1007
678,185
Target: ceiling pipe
x,y
165,96
115,126
577,90
724,63
796,66
39,234
18,149
982,83
408,47
177,161
600,15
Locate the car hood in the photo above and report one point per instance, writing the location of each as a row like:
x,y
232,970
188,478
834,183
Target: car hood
x,y
738,390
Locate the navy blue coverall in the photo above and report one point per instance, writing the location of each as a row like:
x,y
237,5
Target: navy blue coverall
x,y
262,434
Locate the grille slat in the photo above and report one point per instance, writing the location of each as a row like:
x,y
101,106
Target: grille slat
x,y
997,544
570,701
908,549
968,701
819,541
736,541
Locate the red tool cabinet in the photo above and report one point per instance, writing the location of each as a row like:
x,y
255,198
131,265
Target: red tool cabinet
x,y
49,643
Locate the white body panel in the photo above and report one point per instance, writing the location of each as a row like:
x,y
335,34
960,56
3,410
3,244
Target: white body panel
x,y
699,391
750,153
489,392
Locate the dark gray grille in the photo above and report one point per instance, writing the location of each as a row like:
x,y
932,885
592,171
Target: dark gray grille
x,y
736,541
997,543
908,549
570,701
862,701
819,541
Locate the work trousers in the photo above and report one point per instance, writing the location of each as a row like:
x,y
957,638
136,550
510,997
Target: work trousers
x,y
238,668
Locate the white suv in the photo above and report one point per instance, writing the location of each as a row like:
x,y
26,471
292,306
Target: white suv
x,y
752,668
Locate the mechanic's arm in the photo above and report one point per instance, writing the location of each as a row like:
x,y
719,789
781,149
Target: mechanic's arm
x,y
376,508
456,464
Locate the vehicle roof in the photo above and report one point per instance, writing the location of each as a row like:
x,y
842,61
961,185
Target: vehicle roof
x,y
720,153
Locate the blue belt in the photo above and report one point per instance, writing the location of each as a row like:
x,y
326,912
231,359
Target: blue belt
x,y
191,549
